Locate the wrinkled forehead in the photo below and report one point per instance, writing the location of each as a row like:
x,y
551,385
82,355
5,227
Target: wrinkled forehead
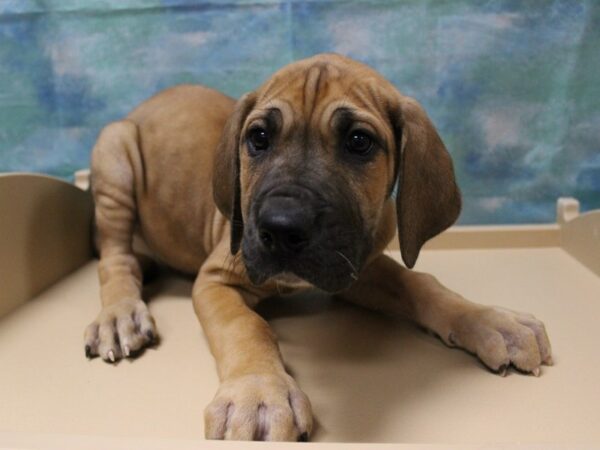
x,y
319,93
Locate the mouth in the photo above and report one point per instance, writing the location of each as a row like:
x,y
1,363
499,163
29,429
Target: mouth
x,y
290,280
331,271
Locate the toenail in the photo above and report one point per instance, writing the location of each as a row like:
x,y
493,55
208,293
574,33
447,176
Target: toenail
x,y
303,437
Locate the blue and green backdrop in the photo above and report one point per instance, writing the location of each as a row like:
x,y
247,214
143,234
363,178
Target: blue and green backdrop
x,y
513,86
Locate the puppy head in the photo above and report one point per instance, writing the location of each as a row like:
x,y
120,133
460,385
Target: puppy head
x,y
307,165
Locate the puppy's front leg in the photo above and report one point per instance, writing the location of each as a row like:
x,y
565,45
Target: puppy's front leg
x,y
124,324
499,337
257,399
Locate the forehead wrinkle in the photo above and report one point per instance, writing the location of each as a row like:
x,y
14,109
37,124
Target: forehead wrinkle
x,y
273,89
278,104
287,113
313,83
323,113
368,99
359,114
282,85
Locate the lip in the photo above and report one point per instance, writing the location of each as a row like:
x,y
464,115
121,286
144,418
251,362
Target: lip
x,y
261,271
290,279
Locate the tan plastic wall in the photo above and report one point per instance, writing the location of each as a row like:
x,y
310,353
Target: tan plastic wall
x,y
45,233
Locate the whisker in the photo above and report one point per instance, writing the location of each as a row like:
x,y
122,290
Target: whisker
x,y
230,261
278,287
354,273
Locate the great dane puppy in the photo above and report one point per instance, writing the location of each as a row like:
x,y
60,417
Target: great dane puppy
x,y
291,187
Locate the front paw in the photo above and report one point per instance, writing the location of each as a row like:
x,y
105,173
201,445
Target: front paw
x,y
501,338
263,407
121,330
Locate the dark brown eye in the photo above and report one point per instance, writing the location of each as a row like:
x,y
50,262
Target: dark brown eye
x,y
258,140
359,143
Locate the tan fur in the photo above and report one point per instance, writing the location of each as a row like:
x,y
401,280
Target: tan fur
x,y
155,174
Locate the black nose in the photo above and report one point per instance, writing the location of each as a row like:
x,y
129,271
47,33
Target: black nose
x,y
285,225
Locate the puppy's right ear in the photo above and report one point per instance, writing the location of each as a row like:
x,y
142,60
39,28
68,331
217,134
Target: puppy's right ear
x,y
226,170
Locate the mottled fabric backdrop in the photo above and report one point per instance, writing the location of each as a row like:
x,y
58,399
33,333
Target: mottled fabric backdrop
x,y
513,86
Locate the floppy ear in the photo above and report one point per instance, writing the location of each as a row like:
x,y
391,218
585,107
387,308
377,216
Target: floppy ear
x,y
226,170
428,199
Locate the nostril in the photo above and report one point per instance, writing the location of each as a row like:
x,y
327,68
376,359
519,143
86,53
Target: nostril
x,y
296,240
291,240
266,238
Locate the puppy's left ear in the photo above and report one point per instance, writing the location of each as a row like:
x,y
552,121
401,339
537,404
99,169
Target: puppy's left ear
x,y
428,199
226,169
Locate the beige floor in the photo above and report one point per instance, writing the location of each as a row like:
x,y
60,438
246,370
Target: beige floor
x,y
370,379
